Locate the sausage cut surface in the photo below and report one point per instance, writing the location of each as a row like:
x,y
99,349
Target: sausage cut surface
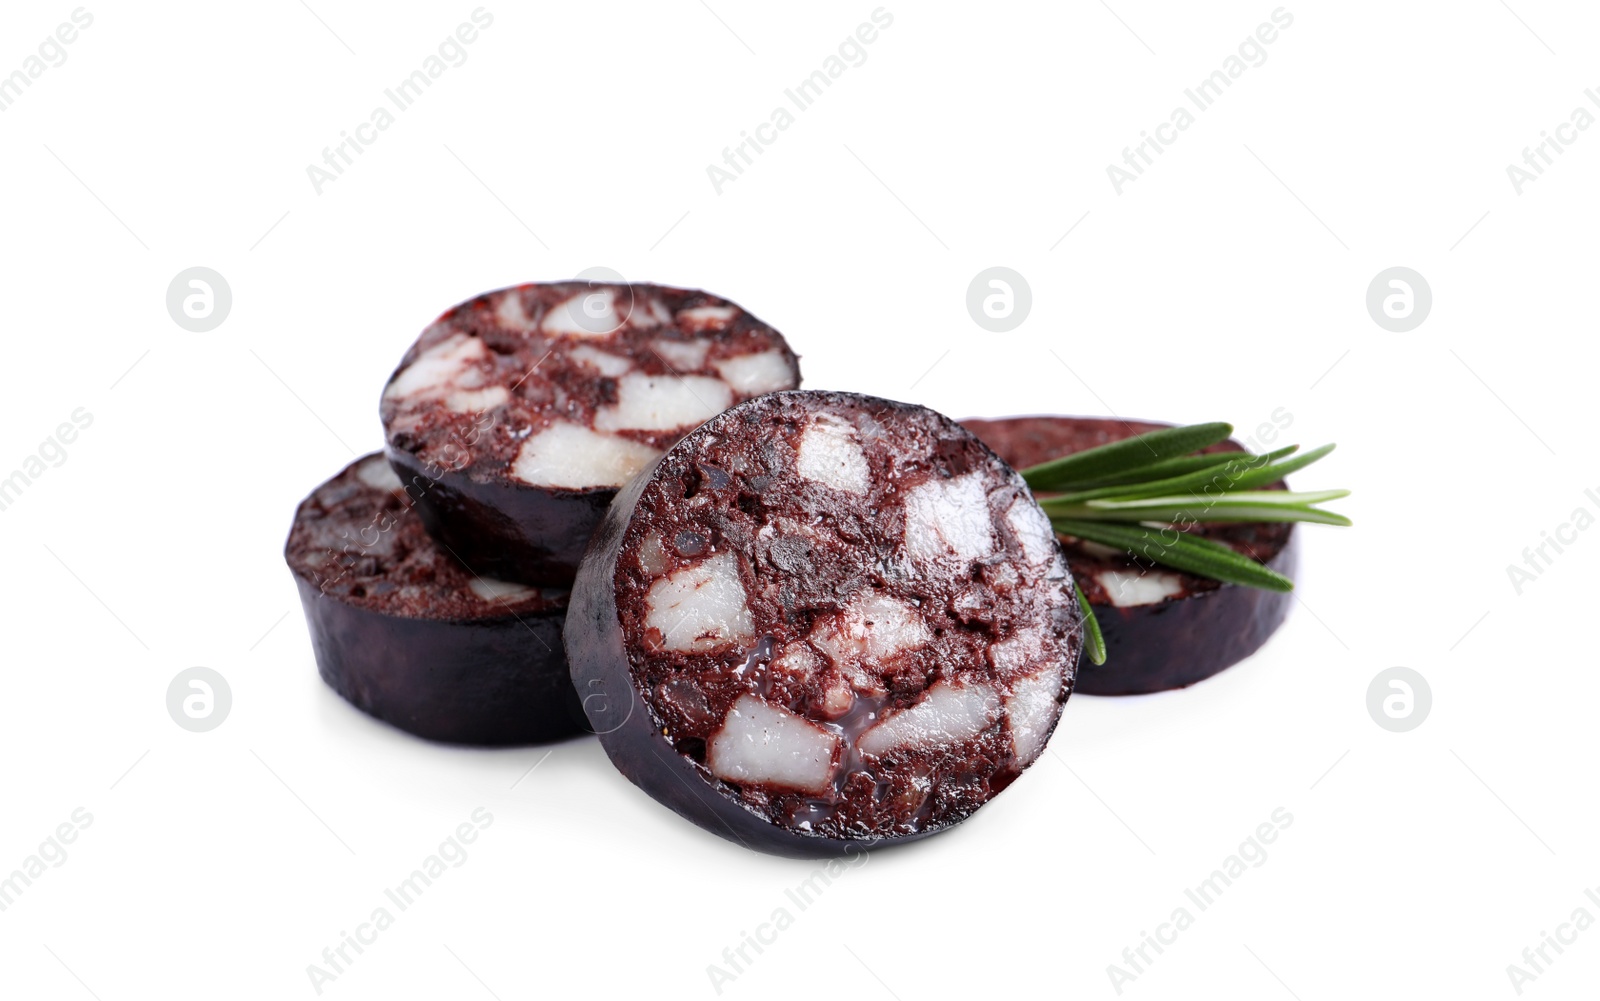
x,y
523,410
1163,628
404,632
824,621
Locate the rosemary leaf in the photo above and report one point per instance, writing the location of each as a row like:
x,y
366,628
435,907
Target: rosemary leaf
x,y
1254,505
1184,552
1176,466
1243,472
1123,456
1260,476
1094,641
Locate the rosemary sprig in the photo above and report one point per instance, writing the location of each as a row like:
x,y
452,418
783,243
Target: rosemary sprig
x,y
1094,642
1168,467
1175,469
1180,551
1123,456
1251,505
1144,493
1238,471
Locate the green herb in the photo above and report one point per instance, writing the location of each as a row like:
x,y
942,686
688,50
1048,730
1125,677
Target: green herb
x,y
1143,495
1252,505
1123,456
1179,551
1094,642
1228,471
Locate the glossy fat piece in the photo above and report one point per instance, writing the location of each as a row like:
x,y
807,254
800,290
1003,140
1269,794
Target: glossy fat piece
x,y
516,415
1163,628
823,622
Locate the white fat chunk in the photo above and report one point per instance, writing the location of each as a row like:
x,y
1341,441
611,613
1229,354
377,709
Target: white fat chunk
x,y
1017,653
861,681
949,516
706,317
838,699
1032,528
606,362
377,473
471,401
440,370
947,714
490,589
871,627
797,661
663,403
753,375
587,314
1127,588
682,355
566,455
652,556
647,314
763,744
830,455
700,609
1031,711
655,314
508,312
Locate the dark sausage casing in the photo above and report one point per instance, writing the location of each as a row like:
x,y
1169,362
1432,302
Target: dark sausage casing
x,y
406,634
824,622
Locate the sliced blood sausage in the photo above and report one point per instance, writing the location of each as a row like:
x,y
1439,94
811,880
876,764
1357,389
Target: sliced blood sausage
x,y
1163,628
519,413
407,634
823,622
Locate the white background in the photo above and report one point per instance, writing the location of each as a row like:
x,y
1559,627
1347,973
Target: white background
x,y
1225,283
